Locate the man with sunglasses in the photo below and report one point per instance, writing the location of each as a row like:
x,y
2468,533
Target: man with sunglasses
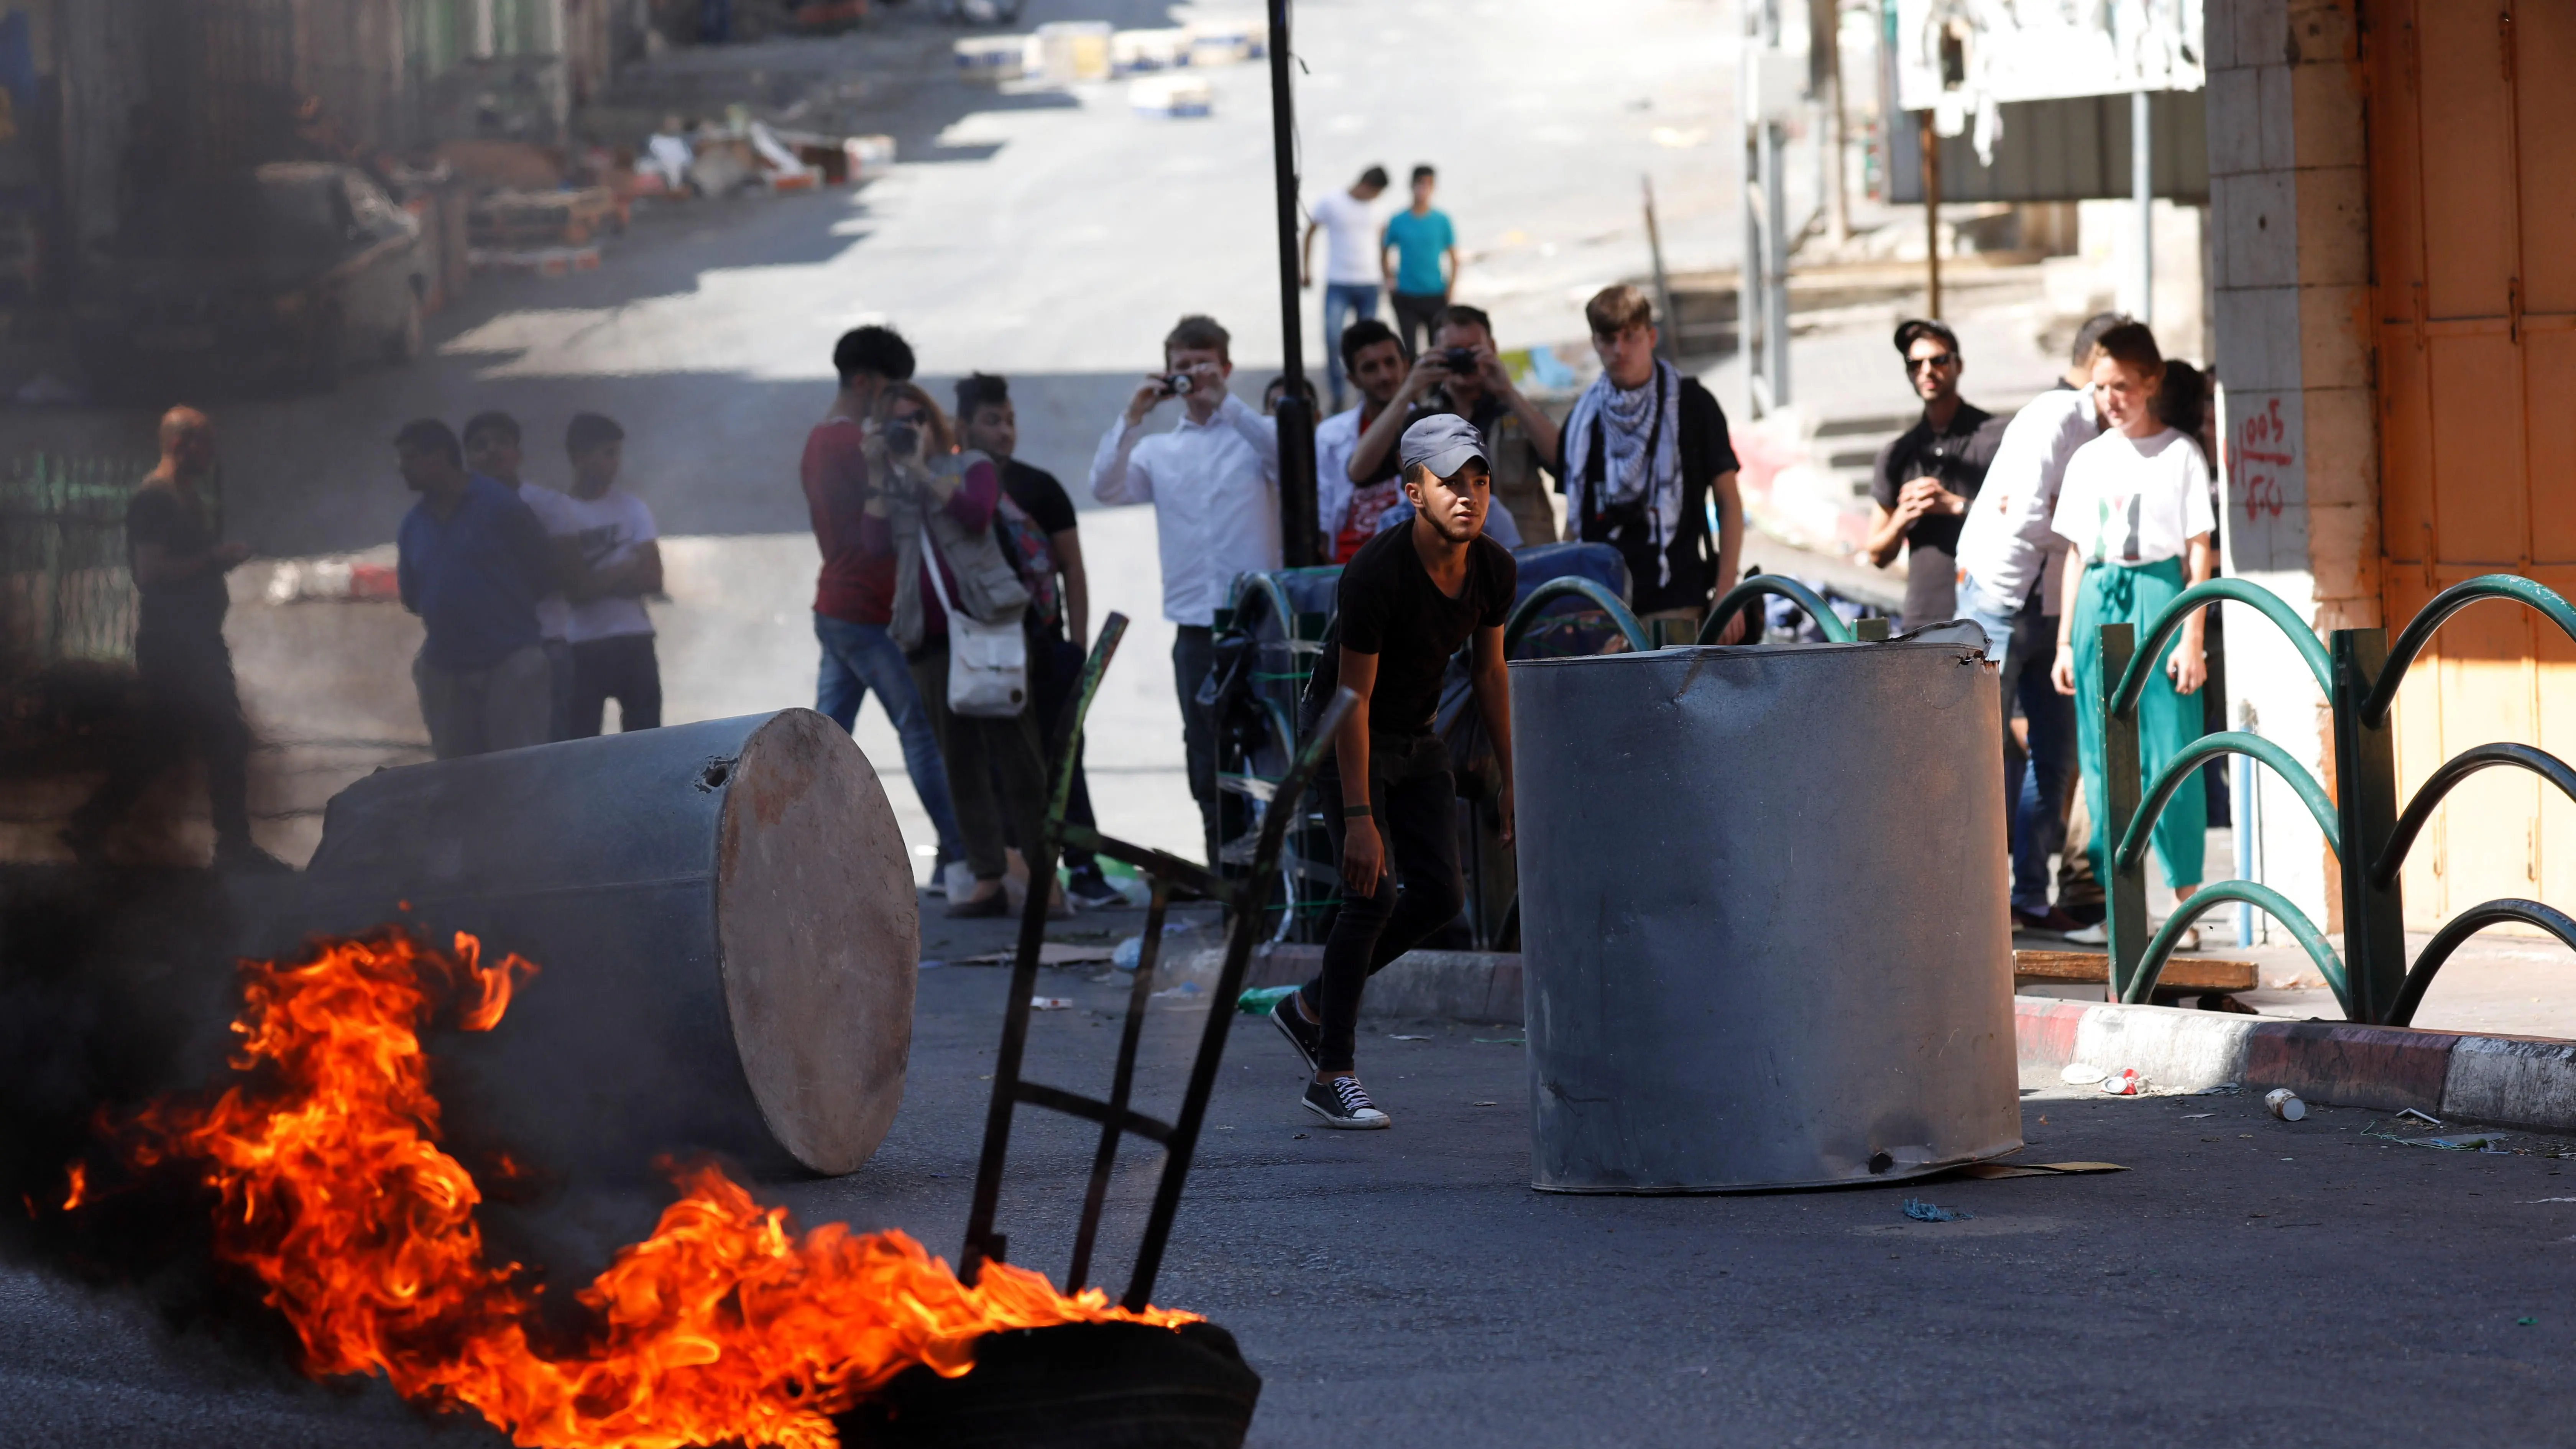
x,y
1926,476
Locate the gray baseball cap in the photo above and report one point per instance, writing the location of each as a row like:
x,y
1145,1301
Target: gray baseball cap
x,y
1442,442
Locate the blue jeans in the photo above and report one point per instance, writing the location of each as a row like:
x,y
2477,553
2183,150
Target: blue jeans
x,y
861,657
1344,303
2024,640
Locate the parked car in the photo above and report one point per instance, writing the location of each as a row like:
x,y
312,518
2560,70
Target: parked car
x,y
286,273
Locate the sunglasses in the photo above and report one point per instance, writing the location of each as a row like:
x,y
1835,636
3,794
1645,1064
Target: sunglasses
x,y
1937,359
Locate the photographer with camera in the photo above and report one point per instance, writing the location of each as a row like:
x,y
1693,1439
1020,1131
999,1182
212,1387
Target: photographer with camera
x,y
1463,374
854,597
1214,483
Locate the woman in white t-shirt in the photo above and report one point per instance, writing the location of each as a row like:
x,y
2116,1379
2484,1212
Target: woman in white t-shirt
x,y
2135,504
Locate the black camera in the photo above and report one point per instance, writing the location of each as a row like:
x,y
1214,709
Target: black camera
x,y
1461,359
901,439
1178,385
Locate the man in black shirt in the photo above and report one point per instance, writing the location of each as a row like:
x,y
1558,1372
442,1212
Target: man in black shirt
x,y
1059,643
1927,475
1645,452
189,698
1408,601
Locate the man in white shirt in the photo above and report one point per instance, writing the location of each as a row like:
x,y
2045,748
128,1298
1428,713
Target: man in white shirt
x,y
611,559
1354,268
2009,564
492,448
1214,483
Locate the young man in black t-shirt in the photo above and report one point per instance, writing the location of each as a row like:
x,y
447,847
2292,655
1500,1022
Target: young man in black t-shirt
x,y
1409,600
1926,476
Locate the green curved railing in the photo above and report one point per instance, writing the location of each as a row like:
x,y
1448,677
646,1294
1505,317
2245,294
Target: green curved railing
x,y
1280,606
1795,592
1598,595
2209,747
2455,769
2147,660
2457,931
2142,986
2539,598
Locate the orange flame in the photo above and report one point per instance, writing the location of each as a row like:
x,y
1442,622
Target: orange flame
x,y
723,1326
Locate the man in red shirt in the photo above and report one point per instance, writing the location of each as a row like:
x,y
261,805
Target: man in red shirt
x,y
854,600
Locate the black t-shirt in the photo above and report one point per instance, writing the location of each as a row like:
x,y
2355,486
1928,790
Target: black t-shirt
x,y
1039,495
1958,456
1707,451
183,608
1389,607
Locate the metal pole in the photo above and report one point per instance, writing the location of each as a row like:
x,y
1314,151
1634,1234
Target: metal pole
x,y
1775,269
1672,329
1750,293
1296,422
2142,187
1931,145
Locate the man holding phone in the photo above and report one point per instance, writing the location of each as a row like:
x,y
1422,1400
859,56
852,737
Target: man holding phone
x,y
1410,600
1927,475
1214,483
1464,374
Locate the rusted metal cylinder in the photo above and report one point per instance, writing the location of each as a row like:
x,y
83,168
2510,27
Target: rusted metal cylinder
x,y
1765,929
723,920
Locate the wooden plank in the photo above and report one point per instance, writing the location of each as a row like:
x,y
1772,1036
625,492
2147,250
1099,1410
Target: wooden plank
x,y
2184,973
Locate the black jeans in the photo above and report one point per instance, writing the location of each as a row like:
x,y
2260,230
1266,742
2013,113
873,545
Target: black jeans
x,y
1416,799
189,703
1193,655
1058,666
1413,314
623,668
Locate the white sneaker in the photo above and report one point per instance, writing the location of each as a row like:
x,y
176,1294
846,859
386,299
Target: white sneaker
x,y
2096,934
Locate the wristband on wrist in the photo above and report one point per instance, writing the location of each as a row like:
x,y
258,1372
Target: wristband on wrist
x,y
1358,812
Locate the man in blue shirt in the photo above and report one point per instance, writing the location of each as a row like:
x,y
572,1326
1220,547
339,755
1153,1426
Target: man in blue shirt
x,y
1417,240
473,563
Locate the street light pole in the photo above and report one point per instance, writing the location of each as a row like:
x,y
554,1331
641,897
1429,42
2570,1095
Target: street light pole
x,y
1297,543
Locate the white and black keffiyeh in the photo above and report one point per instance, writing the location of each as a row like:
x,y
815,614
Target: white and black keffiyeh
x,y
1634,422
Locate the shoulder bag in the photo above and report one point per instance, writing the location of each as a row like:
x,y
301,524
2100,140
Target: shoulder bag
x,y
988,664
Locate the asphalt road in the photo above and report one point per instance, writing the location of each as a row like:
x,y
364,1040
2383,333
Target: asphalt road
x,y
2246,1281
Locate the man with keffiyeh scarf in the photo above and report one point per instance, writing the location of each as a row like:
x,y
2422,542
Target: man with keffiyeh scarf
x,y
1644,452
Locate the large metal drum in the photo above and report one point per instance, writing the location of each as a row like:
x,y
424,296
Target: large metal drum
x,y
723,920
1765,916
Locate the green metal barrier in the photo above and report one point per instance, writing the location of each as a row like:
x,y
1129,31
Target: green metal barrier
x,y
2359,672
1743,595
1527,612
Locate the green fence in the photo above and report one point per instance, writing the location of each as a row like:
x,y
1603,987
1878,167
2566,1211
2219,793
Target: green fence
x,y
65,594
2359,671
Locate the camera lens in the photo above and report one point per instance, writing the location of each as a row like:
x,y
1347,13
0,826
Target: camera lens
x,y
1178,384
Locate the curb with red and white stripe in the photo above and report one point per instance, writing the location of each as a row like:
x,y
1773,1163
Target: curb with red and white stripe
x,y
2521,1081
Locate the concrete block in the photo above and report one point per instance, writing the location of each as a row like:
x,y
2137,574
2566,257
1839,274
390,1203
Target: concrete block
x,y
2235,124
2262,31
2218,35
2342,447
2276,117
2343,548
2388,1068
2333,217
1458,985
2256,329
2325,112
2334,335
2258,229
2176,1050
2320,32
2510,1079
2044,1030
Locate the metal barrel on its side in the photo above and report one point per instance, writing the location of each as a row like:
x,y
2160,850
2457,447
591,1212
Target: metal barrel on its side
x,y
723,920
1765,916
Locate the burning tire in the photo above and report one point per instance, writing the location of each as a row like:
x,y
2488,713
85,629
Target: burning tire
x,y
1074,1386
